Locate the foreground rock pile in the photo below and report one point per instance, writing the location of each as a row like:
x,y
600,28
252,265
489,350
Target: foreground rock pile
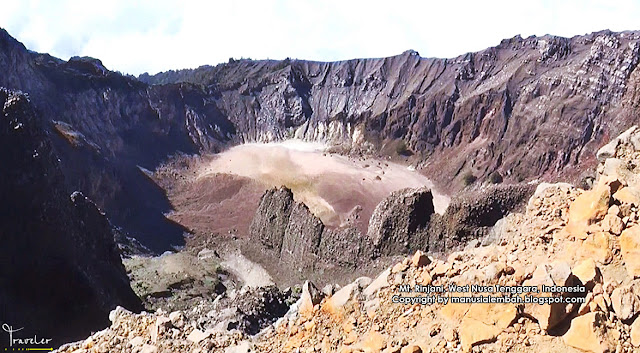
x,y
588,241
158,332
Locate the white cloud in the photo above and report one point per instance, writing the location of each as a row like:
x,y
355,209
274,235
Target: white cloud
x,y
153,36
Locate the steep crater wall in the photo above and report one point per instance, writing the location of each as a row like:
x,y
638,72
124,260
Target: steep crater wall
x,y
60,269
527,108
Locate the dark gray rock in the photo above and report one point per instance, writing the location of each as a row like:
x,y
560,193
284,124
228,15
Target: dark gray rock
x,y
300,246
398,219
345,247
471,215
248,309
271,219
403,222
300,238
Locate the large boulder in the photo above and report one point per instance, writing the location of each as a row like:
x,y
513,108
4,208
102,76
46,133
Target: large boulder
x,y
397,220
630,249
484,322
625,300
588,208
552,274
589,333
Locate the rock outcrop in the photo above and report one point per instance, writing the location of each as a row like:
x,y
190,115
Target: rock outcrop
x,y
398,222
60,272
300,238
403,222
272,218
472,214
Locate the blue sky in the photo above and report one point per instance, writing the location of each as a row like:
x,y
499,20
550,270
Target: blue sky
x,y
151,36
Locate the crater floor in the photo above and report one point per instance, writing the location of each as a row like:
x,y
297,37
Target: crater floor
x,y
331,185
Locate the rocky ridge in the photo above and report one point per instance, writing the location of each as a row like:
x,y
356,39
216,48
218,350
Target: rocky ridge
x,y
299,238
403,222
480,111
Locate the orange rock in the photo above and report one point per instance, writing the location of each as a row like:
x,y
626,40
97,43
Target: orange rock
x,y
441,268
587,272
347,326
484,322
455,312
373,342
399,267
557,273
630,249
625,301
614,210
635,333
601,303
588,333
411,349
309,325
294,342
310,297
630,195
612,224
420,259
588,305
336,305
425,278
598,247
351,338
588,208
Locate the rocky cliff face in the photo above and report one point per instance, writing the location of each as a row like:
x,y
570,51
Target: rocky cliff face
x,y
110,129
527,108
60,269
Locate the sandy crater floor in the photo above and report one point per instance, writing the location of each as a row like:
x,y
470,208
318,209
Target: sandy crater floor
x,y
331,185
